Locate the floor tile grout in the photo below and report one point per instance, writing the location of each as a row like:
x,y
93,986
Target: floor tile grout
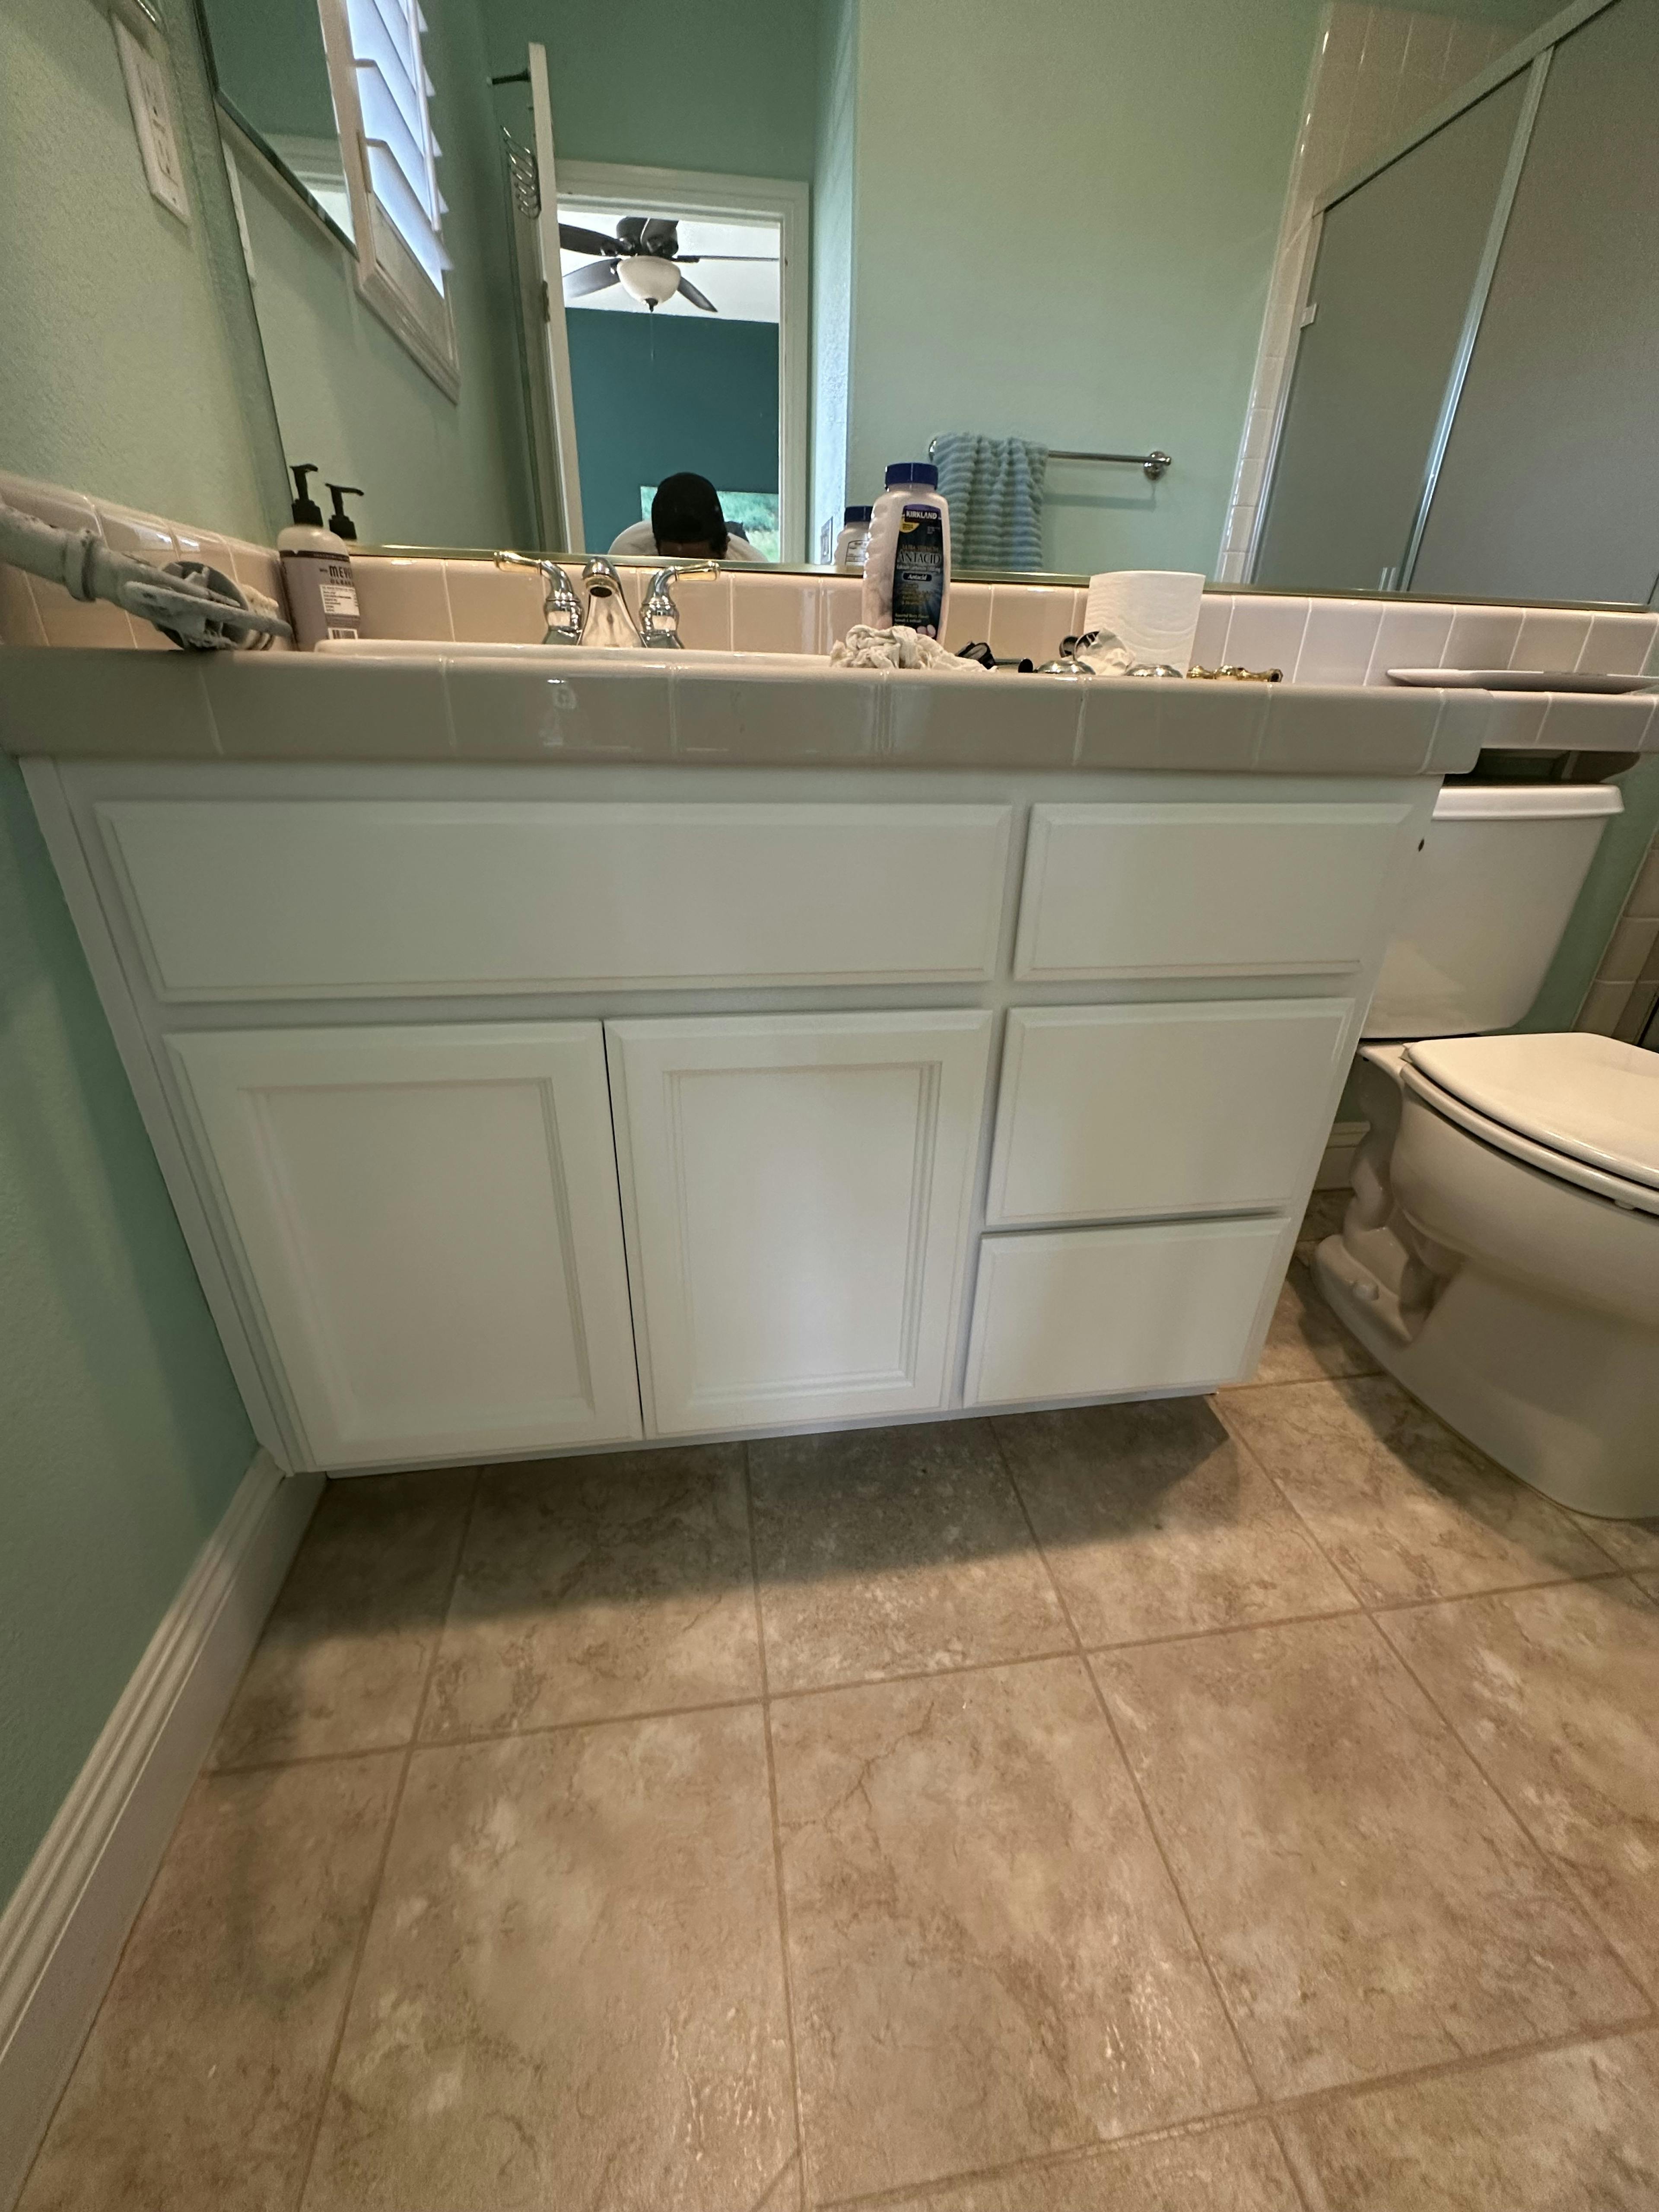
x,y
371,1906
1048,2161
1099,1696
1271,2110
1546,1856
1373,1613
777,1831
766,1695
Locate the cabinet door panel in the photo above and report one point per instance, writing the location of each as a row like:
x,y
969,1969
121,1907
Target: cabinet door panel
x,y
1116,1111
428,1220
796,1190
1097,1313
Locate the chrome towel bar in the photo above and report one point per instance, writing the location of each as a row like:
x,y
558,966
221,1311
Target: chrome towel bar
x,y
1154,463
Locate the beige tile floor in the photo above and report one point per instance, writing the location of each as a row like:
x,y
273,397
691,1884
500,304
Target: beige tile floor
x,y
1250,1805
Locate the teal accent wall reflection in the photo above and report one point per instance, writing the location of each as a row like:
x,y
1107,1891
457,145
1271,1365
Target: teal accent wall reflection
x,y
121,1436
655,394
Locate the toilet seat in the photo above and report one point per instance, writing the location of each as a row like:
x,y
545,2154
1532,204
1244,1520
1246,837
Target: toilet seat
x,y
1563,1166
1587,1096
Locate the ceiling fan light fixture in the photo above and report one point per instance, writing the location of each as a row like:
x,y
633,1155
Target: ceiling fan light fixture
x,y
648,277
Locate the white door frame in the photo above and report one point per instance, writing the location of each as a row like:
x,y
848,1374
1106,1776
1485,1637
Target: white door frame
x,y
788,203
573,536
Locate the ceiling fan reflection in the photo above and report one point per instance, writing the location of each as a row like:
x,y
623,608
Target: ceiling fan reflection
x,y
644,257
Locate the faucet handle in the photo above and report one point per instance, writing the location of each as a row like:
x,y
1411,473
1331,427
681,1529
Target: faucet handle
x,y
659,618
561,609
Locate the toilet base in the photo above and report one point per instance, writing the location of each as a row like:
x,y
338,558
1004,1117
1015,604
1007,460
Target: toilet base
x,y
1567,1400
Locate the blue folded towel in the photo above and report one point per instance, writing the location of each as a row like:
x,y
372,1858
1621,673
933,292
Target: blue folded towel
x,y
994,487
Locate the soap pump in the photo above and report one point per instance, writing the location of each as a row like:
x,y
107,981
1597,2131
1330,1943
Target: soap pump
x,y
322,592
339,521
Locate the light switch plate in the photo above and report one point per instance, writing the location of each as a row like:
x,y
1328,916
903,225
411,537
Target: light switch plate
x,y
146,76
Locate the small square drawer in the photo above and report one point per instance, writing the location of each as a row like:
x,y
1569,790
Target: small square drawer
x,y
1114,1112
1097,1313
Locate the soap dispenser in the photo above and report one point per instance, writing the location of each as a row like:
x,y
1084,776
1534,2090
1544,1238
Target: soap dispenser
x,y
322,593
340,522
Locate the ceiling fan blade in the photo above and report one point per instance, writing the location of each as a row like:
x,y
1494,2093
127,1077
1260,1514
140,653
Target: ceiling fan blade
x,y
597,276
661,236
575,239
689,291
685,260
628,232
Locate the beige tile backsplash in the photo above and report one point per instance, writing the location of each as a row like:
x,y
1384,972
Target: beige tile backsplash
x,y
1314,640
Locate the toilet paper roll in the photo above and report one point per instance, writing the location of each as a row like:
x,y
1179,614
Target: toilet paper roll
x,y
1153,610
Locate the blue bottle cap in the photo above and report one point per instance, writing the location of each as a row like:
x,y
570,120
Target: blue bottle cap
x,y
919,472
856,514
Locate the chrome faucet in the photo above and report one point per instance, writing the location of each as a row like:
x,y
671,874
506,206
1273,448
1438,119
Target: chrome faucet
x,y
659,618
606,621
561,608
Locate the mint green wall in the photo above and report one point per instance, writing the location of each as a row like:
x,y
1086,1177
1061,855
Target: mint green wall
x,y
728,88
124,1437
1066,215
127,367
350,396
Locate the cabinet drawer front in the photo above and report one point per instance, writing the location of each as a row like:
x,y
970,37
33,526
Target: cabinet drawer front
x,y
1194,889
1090,1313
330,898
1116,1111
428,1222
796,1190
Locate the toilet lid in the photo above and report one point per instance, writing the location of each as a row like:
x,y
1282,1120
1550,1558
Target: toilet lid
x,y
1587,1097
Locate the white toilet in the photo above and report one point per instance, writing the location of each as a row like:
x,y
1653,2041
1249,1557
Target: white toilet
x,y
1500,1255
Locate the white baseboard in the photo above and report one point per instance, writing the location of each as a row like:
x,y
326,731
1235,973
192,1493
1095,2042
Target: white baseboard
x,y
1336,1169
62,1934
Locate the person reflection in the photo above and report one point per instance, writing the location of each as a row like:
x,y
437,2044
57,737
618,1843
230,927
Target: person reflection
x,y
686,523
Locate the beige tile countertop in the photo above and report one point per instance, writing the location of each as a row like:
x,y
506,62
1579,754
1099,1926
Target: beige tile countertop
x,y
516,704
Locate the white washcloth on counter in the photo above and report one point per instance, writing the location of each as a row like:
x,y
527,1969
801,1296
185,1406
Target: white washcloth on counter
x,y
898,647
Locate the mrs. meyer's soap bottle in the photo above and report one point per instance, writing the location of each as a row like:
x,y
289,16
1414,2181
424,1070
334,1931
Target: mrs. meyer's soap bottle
x,y
322,592
907,570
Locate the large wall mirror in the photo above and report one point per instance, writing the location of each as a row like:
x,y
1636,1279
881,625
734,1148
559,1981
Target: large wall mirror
x,y
1310,293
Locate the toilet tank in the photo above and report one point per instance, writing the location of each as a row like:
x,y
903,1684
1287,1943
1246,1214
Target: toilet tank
x,y
1490,895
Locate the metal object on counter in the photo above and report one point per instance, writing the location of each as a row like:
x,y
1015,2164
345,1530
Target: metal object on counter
x,y
1235,673
659,618
562,610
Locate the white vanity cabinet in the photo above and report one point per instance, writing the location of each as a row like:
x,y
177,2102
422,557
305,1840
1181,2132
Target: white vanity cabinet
x,y
428,1219
511,1110
798,1189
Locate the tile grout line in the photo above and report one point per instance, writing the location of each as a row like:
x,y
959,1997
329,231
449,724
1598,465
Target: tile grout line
x,y
1547,1857
1385,1608
1135,1779
1283,1495
777,1835
1050,2161
1271,2111
374,1900
1374,1614
1374,1606
1381,1374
